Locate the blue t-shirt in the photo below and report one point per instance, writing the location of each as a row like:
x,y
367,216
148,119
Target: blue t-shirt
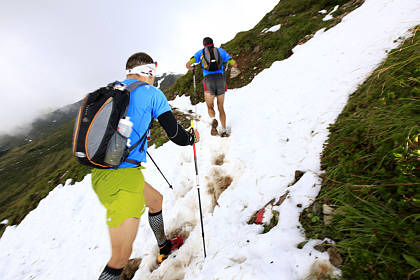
x,y
223,54
146,103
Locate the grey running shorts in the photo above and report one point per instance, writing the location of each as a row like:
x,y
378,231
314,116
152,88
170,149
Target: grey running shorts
x,y
215,84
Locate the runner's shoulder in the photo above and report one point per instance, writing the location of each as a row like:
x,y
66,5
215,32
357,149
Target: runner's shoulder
x,y
149,89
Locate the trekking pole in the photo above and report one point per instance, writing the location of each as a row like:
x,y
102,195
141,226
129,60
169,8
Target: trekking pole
x,y
198,190
170,186
196,168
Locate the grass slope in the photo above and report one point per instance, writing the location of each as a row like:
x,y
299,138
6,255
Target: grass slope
x,y
29,172
372,172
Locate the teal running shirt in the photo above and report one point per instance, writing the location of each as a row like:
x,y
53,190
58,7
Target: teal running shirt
x,y
146,103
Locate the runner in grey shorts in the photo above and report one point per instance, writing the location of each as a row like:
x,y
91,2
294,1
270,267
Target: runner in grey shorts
x,y
213,61
215,84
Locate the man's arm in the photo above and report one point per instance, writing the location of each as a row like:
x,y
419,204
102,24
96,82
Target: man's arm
x,y
232,62
189,63
175,132
234,72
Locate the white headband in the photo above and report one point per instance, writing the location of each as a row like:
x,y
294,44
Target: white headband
x,y
146,70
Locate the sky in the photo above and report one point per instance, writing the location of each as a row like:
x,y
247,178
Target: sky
x,y
74,241
52,53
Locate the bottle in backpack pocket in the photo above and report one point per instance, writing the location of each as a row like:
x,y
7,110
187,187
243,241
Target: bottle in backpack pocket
x,y
118,142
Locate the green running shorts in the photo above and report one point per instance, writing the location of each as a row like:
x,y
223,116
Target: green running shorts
x,y
121,193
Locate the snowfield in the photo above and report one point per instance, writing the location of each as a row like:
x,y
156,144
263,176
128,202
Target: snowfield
x,y
278,125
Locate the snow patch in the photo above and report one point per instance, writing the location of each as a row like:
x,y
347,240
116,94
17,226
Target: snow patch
x,y
329,16
272,29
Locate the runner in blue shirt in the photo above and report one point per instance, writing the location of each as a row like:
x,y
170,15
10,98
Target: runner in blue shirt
x,y
123,191
212,60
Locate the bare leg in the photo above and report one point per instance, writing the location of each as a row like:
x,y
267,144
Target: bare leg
x,y
122,238
210,104
154,202
153,198
222,114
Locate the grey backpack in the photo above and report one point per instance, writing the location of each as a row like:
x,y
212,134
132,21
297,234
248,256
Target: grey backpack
x,y
211,59
96,124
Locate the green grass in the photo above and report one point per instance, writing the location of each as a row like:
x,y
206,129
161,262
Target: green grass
x,y
29,172
372,171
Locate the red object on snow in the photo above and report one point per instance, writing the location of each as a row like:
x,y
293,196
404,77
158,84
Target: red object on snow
x,y
177,242
259,216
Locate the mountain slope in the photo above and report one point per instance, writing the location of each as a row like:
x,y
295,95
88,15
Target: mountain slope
x,y
20,195
238,175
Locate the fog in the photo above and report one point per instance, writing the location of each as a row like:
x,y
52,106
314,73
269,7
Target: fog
x,y
54,52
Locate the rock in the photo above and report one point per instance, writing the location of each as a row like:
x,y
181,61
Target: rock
x,y
335,257
298,175
234,72
328,219
288,54
282,199
327,210
322,247
316,209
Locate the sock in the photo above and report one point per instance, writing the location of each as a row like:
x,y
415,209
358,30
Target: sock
x,y
110,273
156,223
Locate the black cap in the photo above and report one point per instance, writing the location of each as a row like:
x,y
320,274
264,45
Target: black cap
x,y
207,41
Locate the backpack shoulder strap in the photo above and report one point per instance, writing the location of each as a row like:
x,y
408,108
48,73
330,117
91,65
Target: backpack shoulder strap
x,y
218,56
205,58
133,86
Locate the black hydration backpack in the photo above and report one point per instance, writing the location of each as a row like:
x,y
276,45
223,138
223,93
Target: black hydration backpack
x,y
97,121
211,59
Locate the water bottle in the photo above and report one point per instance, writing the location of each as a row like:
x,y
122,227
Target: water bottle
x,y
118,142
125,126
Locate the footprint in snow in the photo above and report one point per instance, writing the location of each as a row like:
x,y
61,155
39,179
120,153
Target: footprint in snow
x,y
218,182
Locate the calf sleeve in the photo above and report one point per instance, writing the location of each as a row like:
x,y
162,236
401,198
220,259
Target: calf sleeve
x,y
110,273
156,223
